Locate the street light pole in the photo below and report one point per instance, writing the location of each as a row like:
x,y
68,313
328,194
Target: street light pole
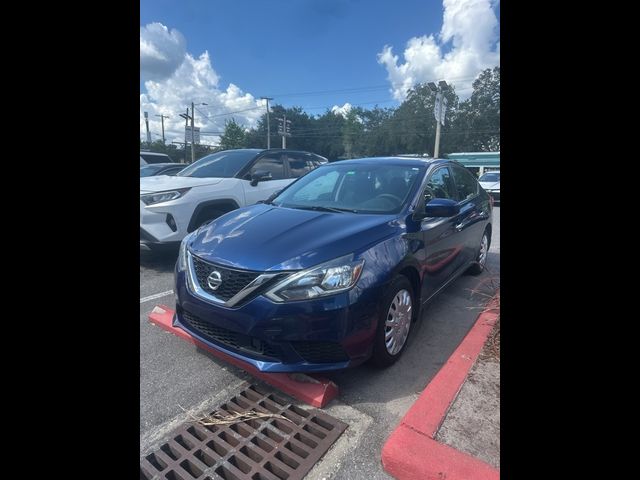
x,y
439,111
436,150
268,126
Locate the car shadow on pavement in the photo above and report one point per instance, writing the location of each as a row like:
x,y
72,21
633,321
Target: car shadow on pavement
x,y
444,323
160,261
388,393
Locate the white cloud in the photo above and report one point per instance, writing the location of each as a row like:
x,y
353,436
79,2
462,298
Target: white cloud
x,y
194,80
343,110
471,27
161,51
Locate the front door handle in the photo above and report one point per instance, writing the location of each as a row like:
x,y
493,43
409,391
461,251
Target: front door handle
x,y
459,226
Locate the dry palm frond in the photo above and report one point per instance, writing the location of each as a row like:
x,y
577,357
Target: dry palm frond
x,y
216,418
491,348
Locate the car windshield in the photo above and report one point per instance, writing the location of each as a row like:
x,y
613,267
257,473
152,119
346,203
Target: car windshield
x,y
356,188
490,177
225,164
149,170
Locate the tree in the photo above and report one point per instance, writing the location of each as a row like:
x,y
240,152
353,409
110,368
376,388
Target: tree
x,y
478,119
471,125
233,137
352,132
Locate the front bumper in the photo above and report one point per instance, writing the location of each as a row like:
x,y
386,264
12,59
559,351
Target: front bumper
x,y
324,334
164,223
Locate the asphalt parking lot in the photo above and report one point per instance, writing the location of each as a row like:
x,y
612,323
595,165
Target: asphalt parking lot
x,y
174,375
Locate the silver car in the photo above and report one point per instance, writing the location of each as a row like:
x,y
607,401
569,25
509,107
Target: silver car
x,y
490,181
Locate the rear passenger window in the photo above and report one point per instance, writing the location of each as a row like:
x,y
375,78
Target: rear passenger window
x,y
466,183
299,165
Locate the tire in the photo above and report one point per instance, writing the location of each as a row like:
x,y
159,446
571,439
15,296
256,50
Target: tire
x,y
400,291
481,259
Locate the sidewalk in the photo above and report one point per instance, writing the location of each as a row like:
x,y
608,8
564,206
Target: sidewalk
x,y
438,437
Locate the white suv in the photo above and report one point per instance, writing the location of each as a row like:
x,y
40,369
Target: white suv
x,y
172,206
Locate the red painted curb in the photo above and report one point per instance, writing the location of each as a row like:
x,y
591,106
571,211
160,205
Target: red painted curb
x,y
411,452
311,389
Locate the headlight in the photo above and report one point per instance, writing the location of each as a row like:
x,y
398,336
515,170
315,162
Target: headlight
x,y
182,254
152,198
327,279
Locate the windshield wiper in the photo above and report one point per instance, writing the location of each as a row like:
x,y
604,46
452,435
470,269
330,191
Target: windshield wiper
x,y
320,208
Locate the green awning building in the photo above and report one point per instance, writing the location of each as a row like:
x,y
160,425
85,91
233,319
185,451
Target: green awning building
x,y
477,160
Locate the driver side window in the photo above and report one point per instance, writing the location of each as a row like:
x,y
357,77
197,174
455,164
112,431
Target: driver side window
x,y
272,164
439,185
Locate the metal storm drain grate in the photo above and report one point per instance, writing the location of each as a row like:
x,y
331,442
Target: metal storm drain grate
x,y
256,449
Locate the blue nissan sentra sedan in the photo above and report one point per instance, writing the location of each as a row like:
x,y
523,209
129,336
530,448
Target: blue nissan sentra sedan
x,y
334,269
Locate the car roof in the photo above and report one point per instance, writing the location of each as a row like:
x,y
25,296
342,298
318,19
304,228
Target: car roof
x,y
417,162
174,164
153,153
260,151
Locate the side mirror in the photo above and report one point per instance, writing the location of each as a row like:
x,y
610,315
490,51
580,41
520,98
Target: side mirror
x,y
259,176
441,207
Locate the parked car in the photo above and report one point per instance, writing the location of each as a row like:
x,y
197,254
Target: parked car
x,y
490,181
161,169
152,157
334,269
171,207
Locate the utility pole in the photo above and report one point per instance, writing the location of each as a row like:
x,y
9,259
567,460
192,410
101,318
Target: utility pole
x,y
284,129
439,110
146,121
186,126
193,134
268,126
162,117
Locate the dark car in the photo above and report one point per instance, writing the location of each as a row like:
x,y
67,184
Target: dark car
x,y
335,269
161,169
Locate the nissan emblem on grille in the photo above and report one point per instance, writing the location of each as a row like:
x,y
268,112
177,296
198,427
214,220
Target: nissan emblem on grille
x,y
214,280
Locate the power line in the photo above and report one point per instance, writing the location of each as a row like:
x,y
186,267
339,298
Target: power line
x,y
363,88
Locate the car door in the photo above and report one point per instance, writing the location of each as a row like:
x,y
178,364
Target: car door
x,y
443,248
274,165
473,211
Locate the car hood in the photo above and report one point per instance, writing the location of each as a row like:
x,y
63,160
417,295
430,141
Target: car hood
x,y
161,183
490,185
263,237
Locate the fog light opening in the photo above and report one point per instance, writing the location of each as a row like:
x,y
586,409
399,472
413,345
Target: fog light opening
x,y
171,222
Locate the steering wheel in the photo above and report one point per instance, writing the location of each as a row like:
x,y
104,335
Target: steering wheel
x,y
390,197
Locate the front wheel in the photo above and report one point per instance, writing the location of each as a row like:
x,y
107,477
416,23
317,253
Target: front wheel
x,y
397,315
481,260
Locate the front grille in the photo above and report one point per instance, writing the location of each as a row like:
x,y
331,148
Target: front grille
x,y
320,352
229,338
232,280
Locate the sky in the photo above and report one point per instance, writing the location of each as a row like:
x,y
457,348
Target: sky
x,y
316,54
